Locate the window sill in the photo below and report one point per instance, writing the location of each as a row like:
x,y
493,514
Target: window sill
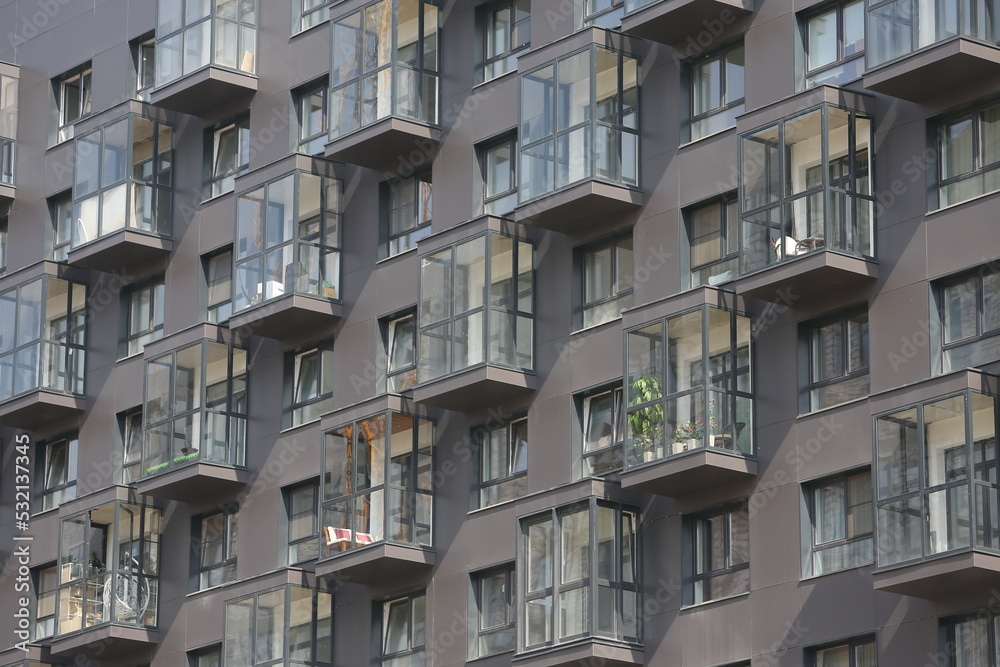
x,y
699,605
213,198
962,203
820,411
707,136
497,79
615,320
311,28
311,422
470,661
40,515
813,577
398,254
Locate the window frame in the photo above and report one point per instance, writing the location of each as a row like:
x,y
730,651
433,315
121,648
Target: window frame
x,y
288,493
61,203
131,340
482,156
37,574
619,429
853,644
213,309
813,510
296,412
617,292
46,490
809,332
947,634
143,55
195,657
4,227
315,143
300,13
407,372
729,239
513,474
841,60
939,293
126,428
979,165
393,244
485,20
476,597
201,572
217,184
694,531
726,104
380,619
84,75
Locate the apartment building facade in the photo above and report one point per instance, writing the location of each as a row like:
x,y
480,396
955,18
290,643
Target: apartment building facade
x,y
545,333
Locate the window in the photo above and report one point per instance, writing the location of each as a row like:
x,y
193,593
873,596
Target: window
x,y
311,375
855,653
45,581
835,44
459,327
401,625
603,13
493,597
603,432
506,30
206,657
130,428
967,641
968,155
717,91
377,483
578,560
838,359
400,345
841,523
607,280
302,504
73,99
144,57
969,313
312,13
790,205
936,485
498,166
144,314
503,462
713,239
57,472
216,536
310,110
719,554
61,214
391,41
8,127
218,276
227,151
408,207
573,130
285,626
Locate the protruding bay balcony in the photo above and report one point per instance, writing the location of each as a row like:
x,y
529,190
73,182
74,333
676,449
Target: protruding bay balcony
x,y
675,22
8,129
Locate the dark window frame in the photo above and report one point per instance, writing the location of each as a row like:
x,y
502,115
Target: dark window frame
x,y
311,144
131,340
853,644
61,224
617,447
808,332
46,490
392,244
980,166
726,104
194,658
982,332
514,35
84,76
127,426
380,619
48,593
617,291
303,16
512,470
295,413
482,156
201,571
287,494
143,53
216,310
694,527
217,184
407,372
838,6
510,600
728,230
843,479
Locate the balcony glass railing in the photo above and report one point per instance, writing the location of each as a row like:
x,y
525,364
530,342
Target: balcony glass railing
x,y
8,128
192,34
287,240
378,483
806,186
936,479
123,179
579,121
385,63
897,28
42,337
688,386
109,562
195,407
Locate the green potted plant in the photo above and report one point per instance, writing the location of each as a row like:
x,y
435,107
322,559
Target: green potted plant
x,y
646,424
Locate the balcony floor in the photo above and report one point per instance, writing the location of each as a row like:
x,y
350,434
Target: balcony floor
x,y
585,652
391,144
697,470
675,22
808,276
942,577
955,63
126,251
578,208
288,317
376,563
204,91
39,408
105,641
195,482
474,388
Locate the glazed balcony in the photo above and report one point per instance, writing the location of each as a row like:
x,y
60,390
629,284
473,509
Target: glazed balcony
x,y
8,129
384,93
206,54
673,22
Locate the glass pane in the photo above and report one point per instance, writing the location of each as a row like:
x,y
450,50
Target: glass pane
x,y
823,39
576,546
898,452
539,556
